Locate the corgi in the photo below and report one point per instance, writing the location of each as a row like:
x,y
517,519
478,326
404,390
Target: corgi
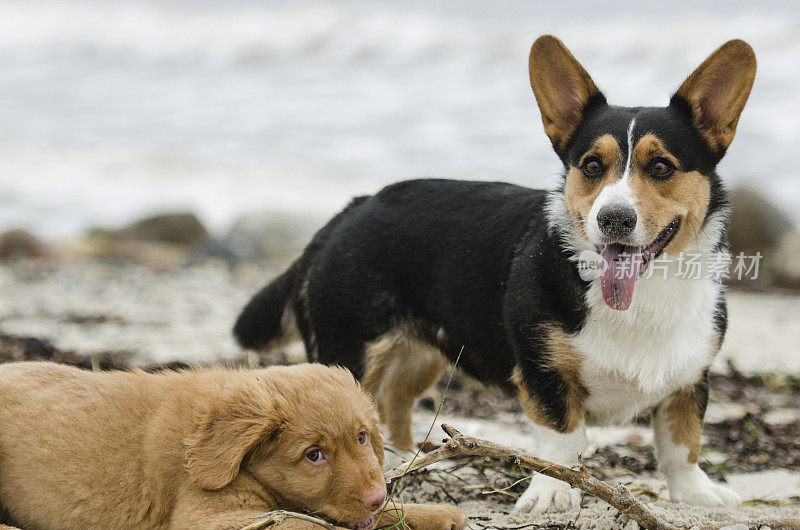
x,y
403,281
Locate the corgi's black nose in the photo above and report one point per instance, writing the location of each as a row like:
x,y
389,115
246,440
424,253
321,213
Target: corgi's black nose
x,y
616,221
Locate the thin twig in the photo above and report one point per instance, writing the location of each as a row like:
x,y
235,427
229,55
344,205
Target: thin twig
x,y
278,516
459,445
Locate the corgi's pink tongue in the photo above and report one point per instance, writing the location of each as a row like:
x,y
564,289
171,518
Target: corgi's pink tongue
x,y
620,275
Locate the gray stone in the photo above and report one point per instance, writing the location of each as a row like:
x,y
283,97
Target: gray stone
x,y
756,224
19,244
179,228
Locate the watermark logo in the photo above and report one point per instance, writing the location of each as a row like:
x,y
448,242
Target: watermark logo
x,y
717,266
591,265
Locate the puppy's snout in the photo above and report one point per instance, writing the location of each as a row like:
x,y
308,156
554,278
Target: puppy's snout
x,y
375,498
616,221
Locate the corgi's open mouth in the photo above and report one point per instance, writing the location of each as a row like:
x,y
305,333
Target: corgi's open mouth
x,y
624,264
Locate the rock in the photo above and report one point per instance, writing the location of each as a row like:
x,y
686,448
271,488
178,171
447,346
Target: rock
x,y
756,224
19,244
160,242
181,228
277,236
14,348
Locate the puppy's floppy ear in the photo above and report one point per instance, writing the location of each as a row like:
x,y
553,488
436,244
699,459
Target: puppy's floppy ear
x,y
227,427
717,91
562,88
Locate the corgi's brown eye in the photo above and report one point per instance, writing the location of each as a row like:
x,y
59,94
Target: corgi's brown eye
x,y
362,437
592,168
661,169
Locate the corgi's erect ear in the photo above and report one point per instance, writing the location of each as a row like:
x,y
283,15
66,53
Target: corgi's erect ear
x,y
226,429
562,89
717,91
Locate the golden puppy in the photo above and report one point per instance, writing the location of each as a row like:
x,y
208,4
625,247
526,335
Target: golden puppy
x,y
211,449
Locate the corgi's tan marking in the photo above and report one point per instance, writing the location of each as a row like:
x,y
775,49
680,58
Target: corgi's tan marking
x,y
684,421
566,359
685,195
579,192
399,368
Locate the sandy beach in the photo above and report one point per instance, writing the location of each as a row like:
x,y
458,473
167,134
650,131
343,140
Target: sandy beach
x,y
140,316
185,314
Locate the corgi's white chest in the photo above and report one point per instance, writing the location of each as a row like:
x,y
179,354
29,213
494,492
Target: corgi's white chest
x,y
634,359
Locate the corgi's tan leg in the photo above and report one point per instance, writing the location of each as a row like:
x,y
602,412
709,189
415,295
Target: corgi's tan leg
x,y
559,430
398,371
677,423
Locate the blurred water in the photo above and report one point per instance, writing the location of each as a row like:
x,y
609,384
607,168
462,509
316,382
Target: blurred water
x,y
114,109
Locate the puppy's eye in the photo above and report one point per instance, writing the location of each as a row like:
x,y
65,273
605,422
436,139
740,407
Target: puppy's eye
x,y
592,168
660,169
362,437
316,456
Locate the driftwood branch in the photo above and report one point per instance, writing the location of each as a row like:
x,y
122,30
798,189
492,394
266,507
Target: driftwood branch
x,y
459,445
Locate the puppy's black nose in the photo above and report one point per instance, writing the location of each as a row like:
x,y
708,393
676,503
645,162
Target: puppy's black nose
x,y
616,221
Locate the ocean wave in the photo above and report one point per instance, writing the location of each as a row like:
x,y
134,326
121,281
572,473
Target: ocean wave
x,y
253,33
109,108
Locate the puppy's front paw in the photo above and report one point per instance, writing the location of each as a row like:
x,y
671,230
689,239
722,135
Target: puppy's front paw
x,y
546,494
432,517
696,488
453,518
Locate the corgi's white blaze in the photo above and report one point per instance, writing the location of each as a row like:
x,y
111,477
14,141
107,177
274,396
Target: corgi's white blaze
x,y
627,173
619,193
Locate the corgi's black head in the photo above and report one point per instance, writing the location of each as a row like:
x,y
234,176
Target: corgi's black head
x,y
640,180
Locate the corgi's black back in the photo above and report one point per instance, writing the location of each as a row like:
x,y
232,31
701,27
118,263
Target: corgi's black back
x,y
432,257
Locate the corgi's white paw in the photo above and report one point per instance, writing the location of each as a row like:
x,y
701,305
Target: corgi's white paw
x,y
696,488
546,494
